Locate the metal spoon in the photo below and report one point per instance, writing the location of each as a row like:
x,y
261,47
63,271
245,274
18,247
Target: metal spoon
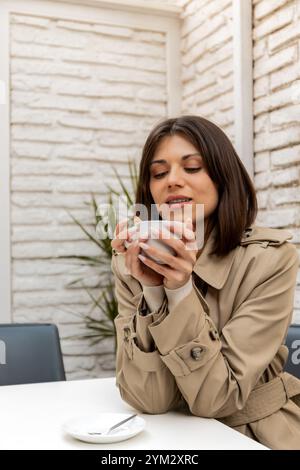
x,y
114,426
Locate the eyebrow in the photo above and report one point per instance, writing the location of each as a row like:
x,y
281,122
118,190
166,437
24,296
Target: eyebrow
x,y
185,157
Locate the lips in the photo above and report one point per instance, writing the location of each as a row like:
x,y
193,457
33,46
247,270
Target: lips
x,y
178,199
178,205
178,202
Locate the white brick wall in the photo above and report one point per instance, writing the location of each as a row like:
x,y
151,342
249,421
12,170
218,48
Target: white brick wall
x,y
83,96
276,36
207,58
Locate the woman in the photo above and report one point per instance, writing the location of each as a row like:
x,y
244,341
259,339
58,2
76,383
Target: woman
x,y
207,328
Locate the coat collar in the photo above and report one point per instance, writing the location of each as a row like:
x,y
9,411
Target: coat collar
x,y
214,270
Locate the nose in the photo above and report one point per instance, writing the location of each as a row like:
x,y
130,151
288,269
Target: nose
x,y
175,178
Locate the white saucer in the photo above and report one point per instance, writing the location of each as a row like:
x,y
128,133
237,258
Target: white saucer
x,y
80,427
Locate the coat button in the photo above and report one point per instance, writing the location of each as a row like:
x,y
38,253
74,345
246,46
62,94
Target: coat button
x,y
126,333
196,353
213,334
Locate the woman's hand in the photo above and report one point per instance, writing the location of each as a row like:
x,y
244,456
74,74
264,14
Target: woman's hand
x,y
177,269
144,274
121,234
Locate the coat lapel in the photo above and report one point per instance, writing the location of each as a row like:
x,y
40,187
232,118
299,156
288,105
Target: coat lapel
x,y
214,270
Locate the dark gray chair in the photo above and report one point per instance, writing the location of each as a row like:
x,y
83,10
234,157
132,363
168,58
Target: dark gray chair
x,y
30,353
293,343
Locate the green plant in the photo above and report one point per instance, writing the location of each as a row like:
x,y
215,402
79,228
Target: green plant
x,y
99,319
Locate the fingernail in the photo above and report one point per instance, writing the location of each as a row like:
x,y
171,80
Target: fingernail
x,y
142,258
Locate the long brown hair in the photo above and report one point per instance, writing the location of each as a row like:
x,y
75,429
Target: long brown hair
x,y
237,206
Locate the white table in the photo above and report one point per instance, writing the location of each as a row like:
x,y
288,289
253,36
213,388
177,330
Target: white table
x,y
32,418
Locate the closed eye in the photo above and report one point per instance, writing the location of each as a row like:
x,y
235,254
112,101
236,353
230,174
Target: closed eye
x,y
188,170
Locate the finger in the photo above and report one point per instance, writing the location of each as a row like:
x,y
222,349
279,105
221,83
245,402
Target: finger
x,y
164,270
155,266
179,264
184,250
118,245
180,229
189,223
165,235
192,246
129,255
120,226
133,260
124,234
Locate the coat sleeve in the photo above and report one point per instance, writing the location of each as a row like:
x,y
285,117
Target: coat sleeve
x,y
144,381
216,373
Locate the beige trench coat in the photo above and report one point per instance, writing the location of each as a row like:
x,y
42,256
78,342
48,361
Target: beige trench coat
x,y
211,353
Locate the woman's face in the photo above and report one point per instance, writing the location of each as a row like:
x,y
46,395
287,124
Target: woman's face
x,y
177,169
